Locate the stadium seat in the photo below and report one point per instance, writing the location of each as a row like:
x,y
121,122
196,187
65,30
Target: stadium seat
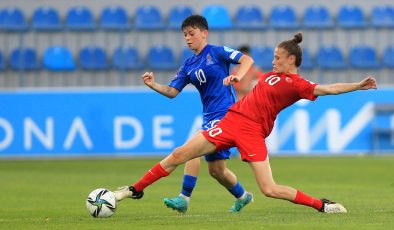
x,y
249,17
148,18
177,14
114,18
307,60
2,62
93,58
185,54
46,19
330,58
382,16
218,17
263,57
12,19
363,57
24,59
351,17
127,58
388,57
80,18
283,17
58,58
317,17
161,57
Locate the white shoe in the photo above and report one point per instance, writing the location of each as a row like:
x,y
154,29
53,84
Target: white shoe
x,y
127,192
332,207
122,193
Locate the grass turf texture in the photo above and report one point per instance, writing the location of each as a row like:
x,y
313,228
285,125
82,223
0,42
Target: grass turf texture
x,y
50,194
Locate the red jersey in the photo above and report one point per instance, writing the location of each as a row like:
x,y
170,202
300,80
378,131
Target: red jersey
x,y
273,93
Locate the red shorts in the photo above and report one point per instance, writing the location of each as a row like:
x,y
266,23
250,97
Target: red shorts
x,y
237,130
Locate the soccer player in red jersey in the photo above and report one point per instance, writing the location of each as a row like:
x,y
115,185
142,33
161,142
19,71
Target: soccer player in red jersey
x,y
249,121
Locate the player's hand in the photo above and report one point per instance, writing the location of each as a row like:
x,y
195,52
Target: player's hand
x,y
231,80
368,83
148,78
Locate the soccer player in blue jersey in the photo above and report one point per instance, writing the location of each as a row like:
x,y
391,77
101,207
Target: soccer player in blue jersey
x,y
206,70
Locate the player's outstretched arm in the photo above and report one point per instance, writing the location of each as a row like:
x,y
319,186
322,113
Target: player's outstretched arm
x,y
168,91
339,88
245,63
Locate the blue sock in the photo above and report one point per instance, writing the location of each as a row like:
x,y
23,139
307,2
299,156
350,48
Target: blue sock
x,y
237,190
189,182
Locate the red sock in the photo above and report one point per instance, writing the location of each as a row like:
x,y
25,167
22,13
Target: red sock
x,y
307,200
150,177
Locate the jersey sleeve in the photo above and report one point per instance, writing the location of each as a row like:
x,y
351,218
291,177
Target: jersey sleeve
x,y
306,89
228,54
180,80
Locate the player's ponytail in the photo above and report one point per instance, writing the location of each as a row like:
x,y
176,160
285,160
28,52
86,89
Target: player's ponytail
x,y
292,48
297,38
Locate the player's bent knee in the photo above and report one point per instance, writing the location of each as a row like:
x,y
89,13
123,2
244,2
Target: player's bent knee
x,y
269,191
179,156
217,171
214,173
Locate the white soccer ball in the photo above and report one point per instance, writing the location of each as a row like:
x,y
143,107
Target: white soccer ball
x,y
101,203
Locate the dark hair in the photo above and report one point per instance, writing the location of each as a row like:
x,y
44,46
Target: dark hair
x,y
292,48
244,49
195,21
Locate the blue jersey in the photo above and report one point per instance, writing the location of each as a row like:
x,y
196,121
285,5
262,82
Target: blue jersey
x,y
206,72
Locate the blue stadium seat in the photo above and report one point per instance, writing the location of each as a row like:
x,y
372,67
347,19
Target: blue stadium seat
x,y
283,17
127,58
24,59
218,17
93,58
308,62
161,58
58,58
46,19
263,57
185,54
249,17
114,18
12,19
80,18
148,18
388,56
2,61
330,58
177,14
363,57
317,17
382,16
351,17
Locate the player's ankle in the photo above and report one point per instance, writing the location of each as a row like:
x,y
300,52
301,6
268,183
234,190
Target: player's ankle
x,y
186,198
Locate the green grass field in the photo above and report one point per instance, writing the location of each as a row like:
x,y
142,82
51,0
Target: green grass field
x,y
50,194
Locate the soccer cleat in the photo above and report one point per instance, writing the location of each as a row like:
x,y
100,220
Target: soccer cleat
x,y
127,192
332,207
240,203
178,203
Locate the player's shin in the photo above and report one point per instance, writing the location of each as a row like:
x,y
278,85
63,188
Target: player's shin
x,y
304,199
150,177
